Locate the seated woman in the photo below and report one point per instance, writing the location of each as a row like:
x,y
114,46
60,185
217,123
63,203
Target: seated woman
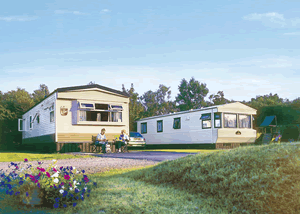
x,y
123,139
101,139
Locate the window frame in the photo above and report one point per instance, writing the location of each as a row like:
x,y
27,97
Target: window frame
x,y
30,123
202,120
236,120
218,113
23,125
176,118
38,119
249,121
53,116
142,130
161,126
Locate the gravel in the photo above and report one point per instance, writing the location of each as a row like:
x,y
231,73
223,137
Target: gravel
x,y
90,165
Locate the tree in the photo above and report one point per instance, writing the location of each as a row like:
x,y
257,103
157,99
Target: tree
x,y
135,107
158,102
40,94
218,99
191,94
13,105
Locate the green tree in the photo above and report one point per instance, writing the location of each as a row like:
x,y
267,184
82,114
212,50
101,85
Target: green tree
x,y
40,94
135,107
218,99
191,94
12,107
158,102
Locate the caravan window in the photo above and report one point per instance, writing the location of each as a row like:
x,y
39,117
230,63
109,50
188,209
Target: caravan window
x,y
52,116
217,119
244,121
230,121
30,122
177,123
38,119
143,128
21,123
159,126
206,121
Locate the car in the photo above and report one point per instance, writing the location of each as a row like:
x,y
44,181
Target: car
x,y
136,140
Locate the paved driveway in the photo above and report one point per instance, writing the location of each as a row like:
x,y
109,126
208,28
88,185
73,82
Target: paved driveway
x,y
153,156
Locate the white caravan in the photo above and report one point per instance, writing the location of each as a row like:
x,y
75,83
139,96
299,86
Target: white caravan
x,y
222,126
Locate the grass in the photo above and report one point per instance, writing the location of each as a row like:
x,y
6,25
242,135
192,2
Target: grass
x,y
19,156
254,179
180,150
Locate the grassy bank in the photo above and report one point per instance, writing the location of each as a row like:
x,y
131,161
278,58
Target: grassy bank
x,y
19,156
181,150
260,179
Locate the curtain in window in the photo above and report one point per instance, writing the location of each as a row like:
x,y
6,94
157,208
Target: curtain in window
x,y
244,121
82,115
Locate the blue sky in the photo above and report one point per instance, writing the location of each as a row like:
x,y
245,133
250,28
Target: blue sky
x,y
244,48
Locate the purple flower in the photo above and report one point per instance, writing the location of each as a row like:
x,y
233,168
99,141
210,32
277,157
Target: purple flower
x,y
74,204
83,171
12,192
21,182
61,168
89,191
9,186
71,168
38,185
27,194
76,197
56,205
65,205
76,190
71,195
17,193
95,184
57,199
39,162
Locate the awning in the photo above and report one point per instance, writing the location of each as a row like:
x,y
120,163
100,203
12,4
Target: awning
x,y
267,121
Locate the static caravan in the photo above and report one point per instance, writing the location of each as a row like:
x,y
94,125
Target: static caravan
x,y
222,126
73,115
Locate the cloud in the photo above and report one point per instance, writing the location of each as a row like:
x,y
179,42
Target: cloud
x,y
268,18
105,11
292,34
274,19
69,12
18,18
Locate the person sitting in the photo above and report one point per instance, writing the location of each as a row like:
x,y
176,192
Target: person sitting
x,y
101,139
123,139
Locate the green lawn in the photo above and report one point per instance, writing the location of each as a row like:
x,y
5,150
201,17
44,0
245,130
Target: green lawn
x,y
256,179
19,156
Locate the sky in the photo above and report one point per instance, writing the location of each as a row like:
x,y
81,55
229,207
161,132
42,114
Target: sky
x,y
244,48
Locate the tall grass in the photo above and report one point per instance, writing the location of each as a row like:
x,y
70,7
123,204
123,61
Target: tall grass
x,y
260,179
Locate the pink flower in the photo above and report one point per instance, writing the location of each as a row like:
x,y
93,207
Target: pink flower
x,y
48,174
35,181
40,174
25,160
42,169
31,176
54,169
17,167
67,177
51,186
62,183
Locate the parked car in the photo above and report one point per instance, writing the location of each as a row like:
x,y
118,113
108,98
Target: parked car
x,y
136,140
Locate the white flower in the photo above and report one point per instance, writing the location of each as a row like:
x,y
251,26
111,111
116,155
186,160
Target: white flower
x,y
55,175
56,180
70,188
85,188
74,168
61,191
62,187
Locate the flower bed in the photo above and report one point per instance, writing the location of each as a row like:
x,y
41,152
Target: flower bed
x,y
52,187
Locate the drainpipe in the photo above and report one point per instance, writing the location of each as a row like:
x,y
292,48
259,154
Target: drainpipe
x,y
212,124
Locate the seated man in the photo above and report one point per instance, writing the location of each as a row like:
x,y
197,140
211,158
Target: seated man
x,y
123,139
101,139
